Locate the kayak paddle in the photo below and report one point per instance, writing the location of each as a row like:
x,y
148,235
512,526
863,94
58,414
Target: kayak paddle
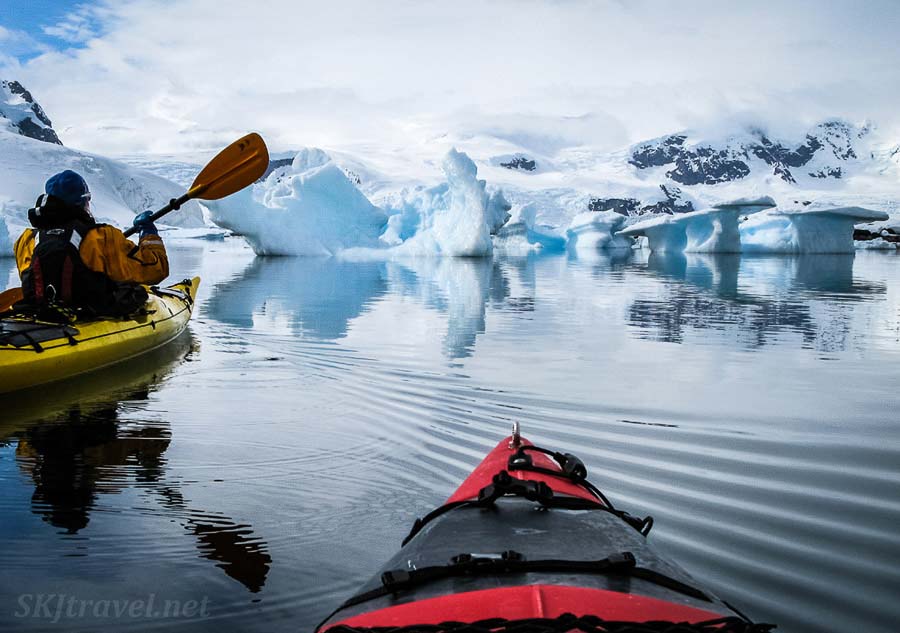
x,y
240,164
10,297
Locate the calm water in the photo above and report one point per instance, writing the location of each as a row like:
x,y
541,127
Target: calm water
x,y
272,459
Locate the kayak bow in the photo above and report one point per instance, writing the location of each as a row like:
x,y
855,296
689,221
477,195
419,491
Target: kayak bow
x,y
527,543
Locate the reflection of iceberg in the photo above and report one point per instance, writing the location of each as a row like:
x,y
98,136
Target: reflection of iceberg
x,y
597,230
708,231
459,288
313,296
752,298
717,273
805,230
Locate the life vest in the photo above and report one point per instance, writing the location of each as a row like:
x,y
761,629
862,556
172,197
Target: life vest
x,y
59,278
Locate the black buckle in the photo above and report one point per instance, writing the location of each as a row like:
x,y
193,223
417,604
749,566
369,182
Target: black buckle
x,y
395,577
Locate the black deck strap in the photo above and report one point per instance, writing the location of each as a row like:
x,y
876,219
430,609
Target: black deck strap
x,y
37,346
572,469
503,485
20,333
623,563
171,292
567,622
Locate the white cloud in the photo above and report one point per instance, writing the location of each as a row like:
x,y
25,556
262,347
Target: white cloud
x,y
164,76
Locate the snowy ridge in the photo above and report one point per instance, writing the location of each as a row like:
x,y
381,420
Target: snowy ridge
x,y
23,115
118,191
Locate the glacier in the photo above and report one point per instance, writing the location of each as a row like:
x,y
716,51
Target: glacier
x,y
118,191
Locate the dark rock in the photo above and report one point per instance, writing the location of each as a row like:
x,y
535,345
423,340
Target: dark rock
x,y
353,176
671,205
520,162
657,154
707,166
624,206
827,172
632,206
783,158
27,126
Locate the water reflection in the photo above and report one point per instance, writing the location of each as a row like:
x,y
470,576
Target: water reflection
x,y
76,454
314,297
457,288
317,298
753,298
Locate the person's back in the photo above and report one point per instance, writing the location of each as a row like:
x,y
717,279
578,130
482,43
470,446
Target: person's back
x,y
68,260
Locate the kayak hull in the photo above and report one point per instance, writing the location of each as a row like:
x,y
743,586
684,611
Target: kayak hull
x,y
519,558
101,343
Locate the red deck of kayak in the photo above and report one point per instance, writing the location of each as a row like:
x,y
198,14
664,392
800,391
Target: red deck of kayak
x,y
531,601
526,601
498,459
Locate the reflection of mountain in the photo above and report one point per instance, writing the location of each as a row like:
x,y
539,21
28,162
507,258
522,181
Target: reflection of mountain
x,y
75,456
316,296
759,297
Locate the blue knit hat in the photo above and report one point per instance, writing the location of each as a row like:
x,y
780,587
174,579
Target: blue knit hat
x,y
68,187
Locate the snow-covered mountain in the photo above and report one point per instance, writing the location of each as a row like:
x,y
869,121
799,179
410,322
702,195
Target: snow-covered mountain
x,y
118,190
20,113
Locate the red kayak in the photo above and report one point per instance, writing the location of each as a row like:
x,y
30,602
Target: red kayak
x,y
527,543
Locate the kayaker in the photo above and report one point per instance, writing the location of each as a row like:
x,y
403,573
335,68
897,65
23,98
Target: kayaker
x,y
69,260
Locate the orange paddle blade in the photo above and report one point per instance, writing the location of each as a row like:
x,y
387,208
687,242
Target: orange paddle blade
x,y
240,164
10,297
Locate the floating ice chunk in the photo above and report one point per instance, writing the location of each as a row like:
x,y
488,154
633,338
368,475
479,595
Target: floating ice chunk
x,y
708,231
6,245
454,219
805,230
593,231
520,235
878,244
310,208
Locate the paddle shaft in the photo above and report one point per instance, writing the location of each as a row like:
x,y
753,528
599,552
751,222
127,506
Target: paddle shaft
x,y
174,205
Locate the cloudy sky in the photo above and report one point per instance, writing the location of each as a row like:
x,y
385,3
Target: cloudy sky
x,y
130,76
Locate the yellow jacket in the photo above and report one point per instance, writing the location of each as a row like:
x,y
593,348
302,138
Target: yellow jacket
x,y
105,249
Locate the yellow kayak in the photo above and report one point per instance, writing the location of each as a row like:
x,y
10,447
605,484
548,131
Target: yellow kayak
x,y
34,353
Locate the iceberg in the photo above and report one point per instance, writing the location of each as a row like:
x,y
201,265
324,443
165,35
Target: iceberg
x,y
521,235
312,208
877,244
805,230
6,245
597,230
455,219
714,230
309,207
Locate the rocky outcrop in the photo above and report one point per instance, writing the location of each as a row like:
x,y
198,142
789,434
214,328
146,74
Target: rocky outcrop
x,y
520,162
672,204
831,142
24,114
